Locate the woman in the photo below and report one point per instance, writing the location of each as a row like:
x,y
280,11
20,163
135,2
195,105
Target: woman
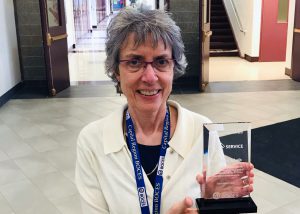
x,y
144,157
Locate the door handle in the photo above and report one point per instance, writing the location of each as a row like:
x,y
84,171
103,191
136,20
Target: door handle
x,y
51,39
297,30
206,34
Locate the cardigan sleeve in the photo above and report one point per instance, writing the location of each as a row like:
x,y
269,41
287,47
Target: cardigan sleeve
x,y
92,198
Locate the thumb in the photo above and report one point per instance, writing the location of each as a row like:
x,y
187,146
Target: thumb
x,y
181,206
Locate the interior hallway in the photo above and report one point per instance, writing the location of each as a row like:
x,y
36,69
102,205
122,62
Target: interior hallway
x,y
86,63
38,136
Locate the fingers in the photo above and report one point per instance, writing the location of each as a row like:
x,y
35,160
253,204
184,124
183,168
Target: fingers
x,y
246,166
191,211
247,186
188,202
246,190
200,179
183,206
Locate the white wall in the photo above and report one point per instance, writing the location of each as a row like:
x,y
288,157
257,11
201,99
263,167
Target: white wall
x,y
161,4
108,6
249,13
92,13
70,23
9,59
289,45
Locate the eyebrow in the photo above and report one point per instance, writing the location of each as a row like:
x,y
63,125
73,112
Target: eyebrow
x,y
136,56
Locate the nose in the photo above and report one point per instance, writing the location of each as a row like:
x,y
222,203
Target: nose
x,y
149,75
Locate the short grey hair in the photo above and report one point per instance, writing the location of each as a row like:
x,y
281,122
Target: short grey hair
x,y
155,23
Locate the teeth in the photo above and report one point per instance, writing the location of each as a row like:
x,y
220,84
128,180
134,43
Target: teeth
x,y
148,93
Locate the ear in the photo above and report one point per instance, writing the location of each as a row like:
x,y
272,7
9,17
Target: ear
x,y
118,77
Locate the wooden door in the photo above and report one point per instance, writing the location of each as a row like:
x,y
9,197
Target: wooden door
x,y
273,31
296,45
55,45
205,37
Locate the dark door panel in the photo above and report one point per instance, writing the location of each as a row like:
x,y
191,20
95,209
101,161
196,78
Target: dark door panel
x,y
55,45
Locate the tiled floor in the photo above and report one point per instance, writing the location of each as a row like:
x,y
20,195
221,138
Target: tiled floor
x,y
38,136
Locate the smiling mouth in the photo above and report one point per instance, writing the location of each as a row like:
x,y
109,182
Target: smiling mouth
x,y
148,92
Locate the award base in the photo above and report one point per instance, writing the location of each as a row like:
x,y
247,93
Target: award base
x,y
226,206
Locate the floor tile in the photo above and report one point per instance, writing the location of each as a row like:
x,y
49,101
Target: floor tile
x,y
51,128
293,208
10,172
4,206
25,198
69,205
42,143
67,138
12,144
263,206
3,156
62,159
34,165
26,129
55,186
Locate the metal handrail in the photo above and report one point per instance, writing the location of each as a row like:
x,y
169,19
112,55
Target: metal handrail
x,y
237,17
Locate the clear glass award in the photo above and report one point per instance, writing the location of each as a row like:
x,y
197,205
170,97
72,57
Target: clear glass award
x,y
226,168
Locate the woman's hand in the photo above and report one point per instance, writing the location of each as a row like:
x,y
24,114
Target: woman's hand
x,y
231,182
184,206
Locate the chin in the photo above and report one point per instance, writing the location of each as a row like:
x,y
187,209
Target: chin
x,y
152,107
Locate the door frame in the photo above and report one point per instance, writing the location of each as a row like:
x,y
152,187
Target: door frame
x,y
295,64
204,42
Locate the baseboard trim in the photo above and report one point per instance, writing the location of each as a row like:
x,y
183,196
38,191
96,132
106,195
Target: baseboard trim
x,y
9,94
251,58
288,72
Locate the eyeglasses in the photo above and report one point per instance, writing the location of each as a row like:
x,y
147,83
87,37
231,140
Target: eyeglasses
x,y
160,64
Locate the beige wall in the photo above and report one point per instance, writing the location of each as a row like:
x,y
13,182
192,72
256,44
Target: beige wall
x,y
249,13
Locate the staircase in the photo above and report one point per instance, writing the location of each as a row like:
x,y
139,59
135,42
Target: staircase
x,y
222,42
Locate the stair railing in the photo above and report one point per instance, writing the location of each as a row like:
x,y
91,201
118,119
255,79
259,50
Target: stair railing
x,y
237,17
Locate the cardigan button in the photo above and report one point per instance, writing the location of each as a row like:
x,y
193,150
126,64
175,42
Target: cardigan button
x,y
171,151
168,177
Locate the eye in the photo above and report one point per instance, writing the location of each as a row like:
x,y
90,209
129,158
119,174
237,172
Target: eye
x,y
161,62
134,62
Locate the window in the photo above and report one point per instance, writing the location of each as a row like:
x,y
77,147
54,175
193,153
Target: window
x,y
283,10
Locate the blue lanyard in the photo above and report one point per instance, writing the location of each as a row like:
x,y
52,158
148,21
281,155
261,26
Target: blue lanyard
x,y
141,188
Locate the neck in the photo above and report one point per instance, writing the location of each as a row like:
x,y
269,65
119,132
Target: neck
x,y
147,123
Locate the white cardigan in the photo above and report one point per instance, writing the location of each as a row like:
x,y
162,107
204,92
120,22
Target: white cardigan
x,y
104,171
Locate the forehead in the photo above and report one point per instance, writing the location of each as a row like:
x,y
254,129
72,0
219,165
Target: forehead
x,y
130,45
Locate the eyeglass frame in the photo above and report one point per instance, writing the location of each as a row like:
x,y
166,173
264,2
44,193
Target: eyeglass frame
x,y
144,64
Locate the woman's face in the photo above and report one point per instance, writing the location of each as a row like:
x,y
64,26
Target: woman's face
x,y
148,88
